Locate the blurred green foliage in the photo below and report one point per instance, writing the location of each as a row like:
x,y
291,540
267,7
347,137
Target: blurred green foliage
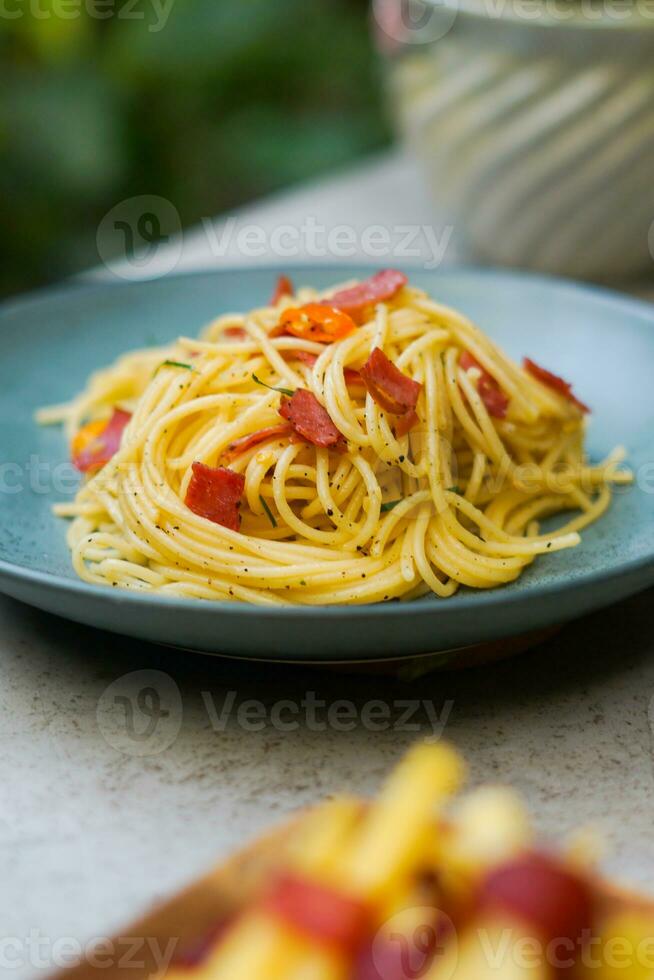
x,y
208,103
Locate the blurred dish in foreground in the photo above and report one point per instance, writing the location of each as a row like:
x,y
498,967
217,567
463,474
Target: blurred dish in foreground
x,y
418,883
354,445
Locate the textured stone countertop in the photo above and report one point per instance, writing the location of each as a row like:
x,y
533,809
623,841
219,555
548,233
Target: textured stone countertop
x,y
92,834
96,825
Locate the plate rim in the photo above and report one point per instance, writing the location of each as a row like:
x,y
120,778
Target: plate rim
x,y
426,605
94,280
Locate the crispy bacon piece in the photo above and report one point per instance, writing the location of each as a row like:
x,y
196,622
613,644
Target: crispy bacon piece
x,y
97,442
321,913
356,300
216,494
553,381
495,400
405,423
310,419
351,376
241,445
315,321
392,390
283,287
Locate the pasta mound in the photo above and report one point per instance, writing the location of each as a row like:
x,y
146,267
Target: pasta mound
x,y
383,514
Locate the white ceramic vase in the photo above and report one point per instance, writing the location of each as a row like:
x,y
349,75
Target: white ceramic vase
x,y
535,124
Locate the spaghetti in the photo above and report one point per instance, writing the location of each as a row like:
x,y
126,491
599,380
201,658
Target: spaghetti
x,y
357,446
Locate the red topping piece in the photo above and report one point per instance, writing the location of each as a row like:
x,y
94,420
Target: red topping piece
x,y
405,423
315,321
283,287
392,390
235,333
321,913
96,443
310,419
351,376
553,381
216,494
305,356
491,394
405,956
541,892
241,445
357,299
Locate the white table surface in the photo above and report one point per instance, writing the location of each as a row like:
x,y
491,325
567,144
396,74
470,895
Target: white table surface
x,y
91,833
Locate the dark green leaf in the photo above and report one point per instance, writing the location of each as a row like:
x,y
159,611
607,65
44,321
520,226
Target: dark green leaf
x,y
269,513
283,391
177,364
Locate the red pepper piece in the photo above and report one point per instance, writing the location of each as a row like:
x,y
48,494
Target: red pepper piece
x,y
97,442
315,321
283,287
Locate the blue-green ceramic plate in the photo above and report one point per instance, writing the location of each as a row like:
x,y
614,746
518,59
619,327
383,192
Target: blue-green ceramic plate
x,y
52,341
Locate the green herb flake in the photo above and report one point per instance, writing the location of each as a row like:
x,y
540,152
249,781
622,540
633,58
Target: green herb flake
x,y
389,505
269,513
282,391
177,364
455,489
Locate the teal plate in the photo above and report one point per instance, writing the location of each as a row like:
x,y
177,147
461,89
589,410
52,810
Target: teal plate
x,y
53,340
